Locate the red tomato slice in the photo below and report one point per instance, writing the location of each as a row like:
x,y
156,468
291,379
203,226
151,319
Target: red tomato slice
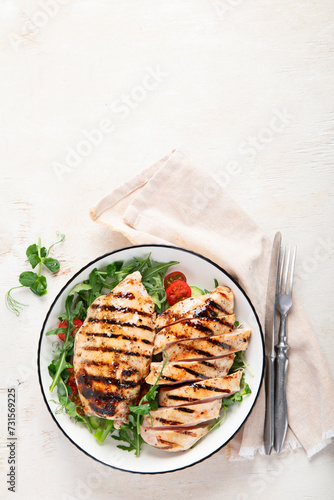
x,y
175,276
77,322
61,335
178,290
63,324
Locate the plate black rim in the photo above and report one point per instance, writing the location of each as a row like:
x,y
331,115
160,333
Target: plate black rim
x,y
72,279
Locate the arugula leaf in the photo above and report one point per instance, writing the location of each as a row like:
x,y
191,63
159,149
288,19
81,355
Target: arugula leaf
x,y
113,268
128,434
81,287
157,267
55,331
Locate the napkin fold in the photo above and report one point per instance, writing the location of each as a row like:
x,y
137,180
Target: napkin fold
x,y
172,202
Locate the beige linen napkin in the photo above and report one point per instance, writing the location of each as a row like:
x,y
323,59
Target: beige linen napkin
x,y
172,202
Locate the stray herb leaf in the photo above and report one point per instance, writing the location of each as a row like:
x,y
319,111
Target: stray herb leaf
x,y
37,255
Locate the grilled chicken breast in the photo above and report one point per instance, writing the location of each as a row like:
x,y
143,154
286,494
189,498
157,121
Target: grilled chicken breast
x,y
209,347
113,350
163,418
173,440
204,391
216,304
199,338
193,329
184,371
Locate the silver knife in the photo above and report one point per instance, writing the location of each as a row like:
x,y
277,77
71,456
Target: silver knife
x,y
270,344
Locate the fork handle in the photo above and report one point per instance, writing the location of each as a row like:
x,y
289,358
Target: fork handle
x,y
281,407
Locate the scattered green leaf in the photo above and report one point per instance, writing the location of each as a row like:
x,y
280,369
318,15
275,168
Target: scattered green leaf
x,y
37,255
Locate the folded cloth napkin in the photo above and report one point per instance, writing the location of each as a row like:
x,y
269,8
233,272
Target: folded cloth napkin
x,y
202,217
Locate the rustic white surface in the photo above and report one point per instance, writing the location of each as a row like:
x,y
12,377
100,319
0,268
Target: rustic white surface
x,y
247,89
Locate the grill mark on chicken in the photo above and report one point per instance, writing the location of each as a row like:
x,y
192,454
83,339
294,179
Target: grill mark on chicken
x,y
185,410
124,295
170,379
101,396
187,433
168,422
207,363
117,336
168,444
112,367
181,398
204,311
114,349
199,351
214,389
191,322
198,326
124,309
202,328
93,362
208,309
109,408
107,321
87,378
128,372
220,344
192,372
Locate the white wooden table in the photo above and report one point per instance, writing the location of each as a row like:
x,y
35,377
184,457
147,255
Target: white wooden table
x,y
91,93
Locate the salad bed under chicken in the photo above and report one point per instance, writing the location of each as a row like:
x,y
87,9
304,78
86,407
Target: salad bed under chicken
x,y
132,365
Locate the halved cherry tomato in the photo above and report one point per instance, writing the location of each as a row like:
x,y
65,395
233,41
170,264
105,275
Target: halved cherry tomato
x,y
175,276
178,290
61,335
63,324
77,322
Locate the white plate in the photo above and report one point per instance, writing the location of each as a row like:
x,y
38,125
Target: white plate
x,y
200,272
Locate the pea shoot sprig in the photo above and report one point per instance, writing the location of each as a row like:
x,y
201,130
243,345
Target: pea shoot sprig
x,y
36,281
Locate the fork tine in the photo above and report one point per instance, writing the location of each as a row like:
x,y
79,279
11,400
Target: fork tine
x,y
281,271
292,269
286,271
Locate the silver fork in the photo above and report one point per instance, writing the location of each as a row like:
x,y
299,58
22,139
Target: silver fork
x,y
283,306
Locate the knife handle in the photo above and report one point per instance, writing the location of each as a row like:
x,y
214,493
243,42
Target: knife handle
x,y
269,414
281,407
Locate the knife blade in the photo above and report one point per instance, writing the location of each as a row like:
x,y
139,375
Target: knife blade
x,y
270,344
